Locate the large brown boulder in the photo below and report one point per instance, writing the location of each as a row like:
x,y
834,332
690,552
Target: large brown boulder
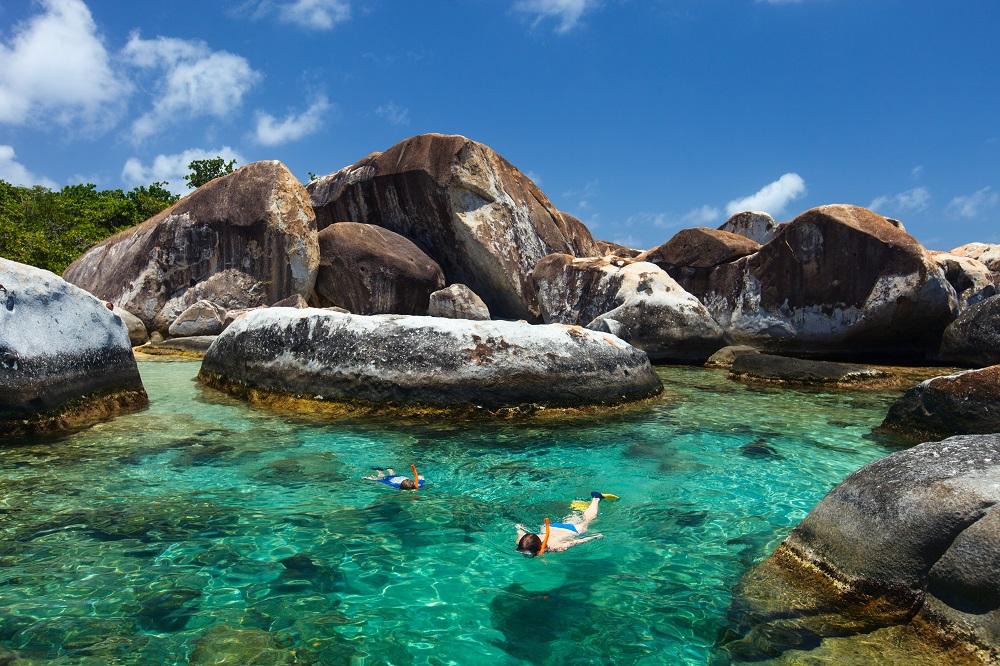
x,y
65,358
692,255
836,280
961,404
242,240
973,339
483,221
370,270
634,300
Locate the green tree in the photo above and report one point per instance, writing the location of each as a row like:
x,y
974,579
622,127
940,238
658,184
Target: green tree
x,y
203,171
50,229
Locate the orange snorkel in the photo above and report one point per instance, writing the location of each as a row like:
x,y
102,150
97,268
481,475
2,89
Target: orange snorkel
x,y
545,541
416,477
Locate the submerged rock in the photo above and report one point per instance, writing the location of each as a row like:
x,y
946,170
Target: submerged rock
x,y
402,360
768,368
837,279
457,302
370,270
725,357
964,403
974,337
65,358
242,240
482,220
202,318
909,539
755,225
633,300
194,346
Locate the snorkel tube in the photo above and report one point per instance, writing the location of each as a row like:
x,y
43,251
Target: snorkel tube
x,y
416,477
545,541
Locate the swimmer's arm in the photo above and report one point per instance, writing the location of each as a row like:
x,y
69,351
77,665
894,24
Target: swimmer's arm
x,y
577,542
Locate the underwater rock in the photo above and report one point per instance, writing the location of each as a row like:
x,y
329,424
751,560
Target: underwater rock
x,y
168,610
370,270
912,538
202,318
482,220
457,302
725,357
784,369
401,360
759,448
837,279
66,359
758,226
974,337
242,240
222,645
961,404
634,300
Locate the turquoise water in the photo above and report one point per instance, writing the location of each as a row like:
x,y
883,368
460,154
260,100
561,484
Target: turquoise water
x,y
204,530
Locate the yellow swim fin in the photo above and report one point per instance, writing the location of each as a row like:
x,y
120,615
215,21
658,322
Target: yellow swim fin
x,y
581,505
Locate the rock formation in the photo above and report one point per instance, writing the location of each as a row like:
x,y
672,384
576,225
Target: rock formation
x,y
607,248
970,278
457,302
65,358
965,403
837,279
908,540
757,226
202,318
987,253
756,367
137,333
242,240
633,300
974,337
399,360
725,357
482,220
370,270
691,256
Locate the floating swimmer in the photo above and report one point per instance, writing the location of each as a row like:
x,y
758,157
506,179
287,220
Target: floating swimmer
x,y
389,477
560,536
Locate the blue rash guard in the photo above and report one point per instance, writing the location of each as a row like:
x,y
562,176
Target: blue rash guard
x,y
396,481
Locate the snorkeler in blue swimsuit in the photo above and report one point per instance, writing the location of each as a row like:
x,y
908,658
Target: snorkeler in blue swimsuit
x,y
389,477
560,536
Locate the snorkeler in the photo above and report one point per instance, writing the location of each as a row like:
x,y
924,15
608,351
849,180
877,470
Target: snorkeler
x,y
389,477
560,536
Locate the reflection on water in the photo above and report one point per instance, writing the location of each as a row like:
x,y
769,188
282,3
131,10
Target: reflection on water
x,y
204,530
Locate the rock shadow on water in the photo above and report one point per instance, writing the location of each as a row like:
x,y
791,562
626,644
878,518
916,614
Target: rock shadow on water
x,y
304,469
760,449
301,573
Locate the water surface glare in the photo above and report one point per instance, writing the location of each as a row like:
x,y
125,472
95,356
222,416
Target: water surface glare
x,y
205,530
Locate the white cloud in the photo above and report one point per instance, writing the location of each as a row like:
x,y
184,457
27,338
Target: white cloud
x,y
16,173
394,114
172,168
567,13
772,198
917,172
315,14
970,206
701,216
55,67
910,201
196,81
272,132
645,219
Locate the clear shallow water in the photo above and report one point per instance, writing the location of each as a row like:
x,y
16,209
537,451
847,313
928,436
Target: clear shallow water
x,y
205,530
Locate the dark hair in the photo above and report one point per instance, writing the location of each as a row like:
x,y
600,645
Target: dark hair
x,y
529,543
407,484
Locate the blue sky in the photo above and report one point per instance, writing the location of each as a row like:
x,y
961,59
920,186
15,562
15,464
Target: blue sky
x,y
640,117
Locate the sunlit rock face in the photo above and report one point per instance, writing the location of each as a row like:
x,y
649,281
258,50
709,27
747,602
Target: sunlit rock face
x,y
755,225
959,404
243,240
837,279
692,255
972,280
65,358
987,253
634,300
910,540
406,360
482,220
457,301
370,270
